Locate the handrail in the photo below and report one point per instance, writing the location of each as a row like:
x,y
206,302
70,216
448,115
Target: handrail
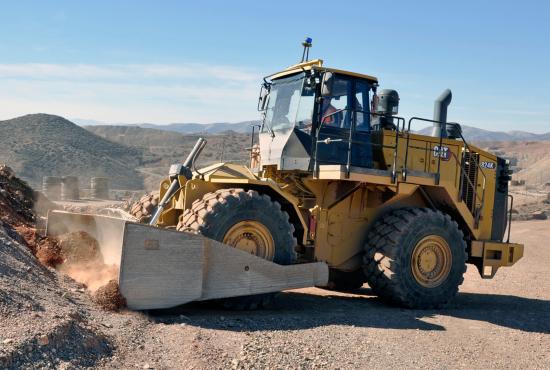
x,y
350,141
465,148
400,127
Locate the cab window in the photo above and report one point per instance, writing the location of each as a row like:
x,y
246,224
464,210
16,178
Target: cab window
x,y
350,98
335,110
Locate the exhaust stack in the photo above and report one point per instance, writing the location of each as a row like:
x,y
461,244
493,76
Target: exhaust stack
x,y
440,113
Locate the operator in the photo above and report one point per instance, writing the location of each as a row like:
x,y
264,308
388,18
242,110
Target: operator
x,y
330,114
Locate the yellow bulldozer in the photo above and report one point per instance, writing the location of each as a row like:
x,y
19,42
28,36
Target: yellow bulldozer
x,y
340,191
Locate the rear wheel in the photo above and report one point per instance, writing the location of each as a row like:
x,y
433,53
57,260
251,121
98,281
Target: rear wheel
x,y
144,208
248,221
415,257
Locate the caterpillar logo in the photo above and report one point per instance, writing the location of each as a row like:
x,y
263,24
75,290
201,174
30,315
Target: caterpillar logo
x,y
151,244
442,152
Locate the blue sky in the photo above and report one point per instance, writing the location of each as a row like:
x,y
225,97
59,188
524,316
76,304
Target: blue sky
x,y
171,61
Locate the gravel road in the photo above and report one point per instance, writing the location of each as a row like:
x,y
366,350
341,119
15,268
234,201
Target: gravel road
x,y
502,323
498,324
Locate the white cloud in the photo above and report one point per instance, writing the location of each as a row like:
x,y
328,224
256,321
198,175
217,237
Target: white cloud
x,y
156,93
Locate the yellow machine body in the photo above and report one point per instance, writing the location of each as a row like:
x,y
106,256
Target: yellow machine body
x,y
333,208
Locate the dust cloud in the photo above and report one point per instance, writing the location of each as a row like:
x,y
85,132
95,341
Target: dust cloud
x,y
79,256
94,275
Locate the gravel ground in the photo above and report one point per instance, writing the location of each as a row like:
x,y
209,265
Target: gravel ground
x,y
498,324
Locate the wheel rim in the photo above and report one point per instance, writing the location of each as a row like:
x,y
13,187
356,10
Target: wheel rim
x,y
251,237
431,261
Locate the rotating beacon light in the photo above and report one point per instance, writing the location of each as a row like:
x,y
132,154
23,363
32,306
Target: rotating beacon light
x,y
306,44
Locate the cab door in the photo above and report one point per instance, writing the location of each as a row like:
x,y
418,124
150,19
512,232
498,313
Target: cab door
x,y
344,116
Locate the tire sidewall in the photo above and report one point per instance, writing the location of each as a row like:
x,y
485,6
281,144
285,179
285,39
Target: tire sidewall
x,y
424,226
250,208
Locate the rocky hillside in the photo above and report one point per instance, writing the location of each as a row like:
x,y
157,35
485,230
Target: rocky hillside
x,y
168,147
38,145
531,159
162,148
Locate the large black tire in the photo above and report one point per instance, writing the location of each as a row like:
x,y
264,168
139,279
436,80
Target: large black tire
x,y
392,244
218,212
144,208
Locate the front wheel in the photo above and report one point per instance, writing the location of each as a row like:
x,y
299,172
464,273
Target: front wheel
x,y
415,257
246,220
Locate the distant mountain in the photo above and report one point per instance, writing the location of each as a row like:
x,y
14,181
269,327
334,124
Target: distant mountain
x,y
477,134
87,122
38,145
207,128
182,128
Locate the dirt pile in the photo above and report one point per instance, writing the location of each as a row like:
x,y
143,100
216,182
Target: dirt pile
x,y
108,297
48,252
22,208
79,247
75,254
16,199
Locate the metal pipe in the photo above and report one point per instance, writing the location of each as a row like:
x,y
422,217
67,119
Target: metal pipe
x,y
440,114
199,145
175,185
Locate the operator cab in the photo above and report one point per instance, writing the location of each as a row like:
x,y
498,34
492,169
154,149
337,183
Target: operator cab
x,y
314,114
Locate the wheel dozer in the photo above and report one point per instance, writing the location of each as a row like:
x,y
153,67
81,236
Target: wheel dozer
x,y
340,191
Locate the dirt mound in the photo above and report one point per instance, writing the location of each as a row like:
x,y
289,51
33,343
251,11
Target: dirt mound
x,y
79,247
77,255
109,297
16,199
42,324
48,252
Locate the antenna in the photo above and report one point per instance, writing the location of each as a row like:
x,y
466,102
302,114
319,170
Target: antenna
x,y
306,44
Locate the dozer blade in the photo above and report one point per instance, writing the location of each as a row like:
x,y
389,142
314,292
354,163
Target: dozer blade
x,y
107,230
162,268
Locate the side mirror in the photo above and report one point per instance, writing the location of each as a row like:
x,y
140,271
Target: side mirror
x,y
264,97
326,85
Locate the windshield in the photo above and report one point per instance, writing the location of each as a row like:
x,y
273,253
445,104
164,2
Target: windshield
x,y
290,103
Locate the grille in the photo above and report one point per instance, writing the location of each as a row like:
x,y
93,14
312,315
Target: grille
x,y
469,180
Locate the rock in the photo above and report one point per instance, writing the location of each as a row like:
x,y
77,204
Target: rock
x,y
539,215
7,341
43,340
109,297
147,366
